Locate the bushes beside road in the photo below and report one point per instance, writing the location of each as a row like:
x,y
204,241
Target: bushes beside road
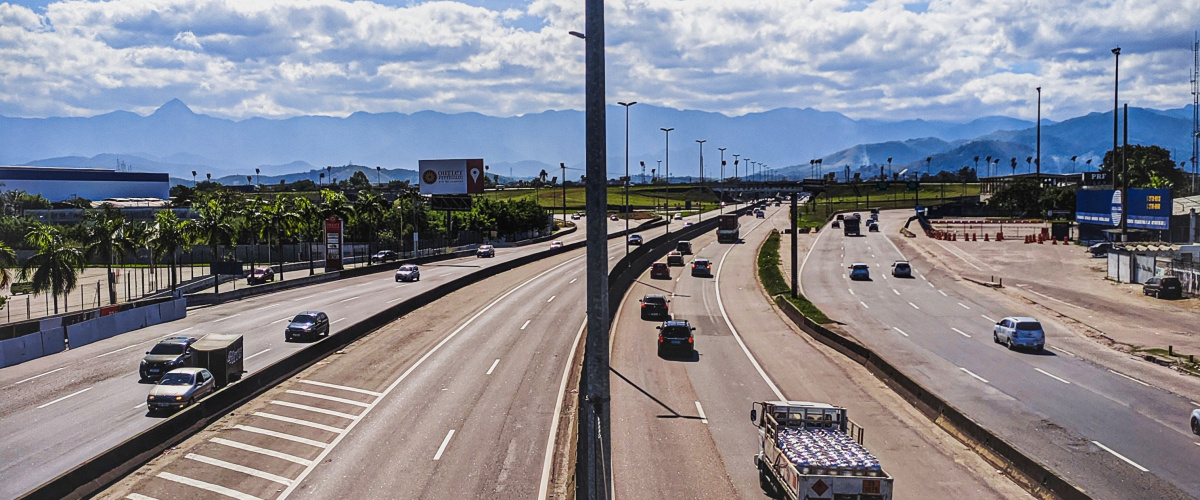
x,y
775,284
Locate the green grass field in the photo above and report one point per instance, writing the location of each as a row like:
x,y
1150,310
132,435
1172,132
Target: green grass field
x,y
842,198
640,197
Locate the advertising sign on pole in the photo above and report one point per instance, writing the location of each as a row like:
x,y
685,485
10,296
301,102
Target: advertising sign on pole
x,y
451,176
1099,206
333,244
1150,208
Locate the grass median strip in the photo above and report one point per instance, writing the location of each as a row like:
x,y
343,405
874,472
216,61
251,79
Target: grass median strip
x,y
775,284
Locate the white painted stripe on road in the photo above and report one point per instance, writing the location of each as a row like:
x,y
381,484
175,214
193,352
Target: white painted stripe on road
x,y
297,421
442,448
921,275
227,317
76,393
914,306
257,353
280,320
135,496
342,387
987,318
315,409
1130,378
51,371
308,296
526,324
700,410
960,332
721,305
896,291
336,320
1048,374
493,367
280,435
572,280
943,293
901,331
238,468
268,306
328,398
169,335
348,300
964,306
851,290
1195,403
221,490
261,451
551,298
1120,456
930,284
968,372
864,304
544,489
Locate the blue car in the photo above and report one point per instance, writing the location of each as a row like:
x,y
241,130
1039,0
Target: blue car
x,y
860,271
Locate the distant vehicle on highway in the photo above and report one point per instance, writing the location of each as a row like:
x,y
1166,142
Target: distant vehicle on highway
x,y
727,228
613,217
384,256
675,258
836,224
635,239
872,226
839,217
759,214
485,250
168,354
1196,421
1019,331
259,275
180,388
702,267
675,336
684,247
660,270
655,307
1099,249
408,272
850,225
678,216
875,214
307,325
860,271
575,216
556,245
1163,287
901,269
686,224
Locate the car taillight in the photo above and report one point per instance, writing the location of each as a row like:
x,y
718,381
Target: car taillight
x,y
660,338
691,339
643,305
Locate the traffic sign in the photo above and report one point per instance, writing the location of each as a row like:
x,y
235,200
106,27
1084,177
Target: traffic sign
x,y
882,186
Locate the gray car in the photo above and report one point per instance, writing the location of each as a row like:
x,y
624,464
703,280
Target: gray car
x,y
179,388
1196,421
408,272
1019,331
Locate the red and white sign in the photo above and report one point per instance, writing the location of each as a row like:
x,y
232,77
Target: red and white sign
x,y
451,176
333,244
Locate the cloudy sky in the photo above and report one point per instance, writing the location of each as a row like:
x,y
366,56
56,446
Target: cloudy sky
x,y
892,59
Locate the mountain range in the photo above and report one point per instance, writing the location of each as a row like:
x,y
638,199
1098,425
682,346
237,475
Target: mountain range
x,y
177,140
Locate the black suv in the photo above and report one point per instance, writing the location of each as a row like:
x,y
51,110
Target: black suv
x,y
654,307
1163,287
384,256
307,325
675,336
169,354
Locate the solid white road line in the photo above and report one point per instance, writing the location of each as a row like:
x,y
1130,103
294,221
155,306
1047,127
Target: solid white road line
x,y
987,318
1064,351
76,393
227,317
544,489
442,448
551,298
493,367
968,372
964,306
261,451
901,331
280,435
257,353
135,496
1044,372
914,306
238,468
315,409
1113,371
960,332
526,324
342,387
328,398
864,304
348,300
220,490
851,290
700,410
52,371
297,421
1120,456
721,305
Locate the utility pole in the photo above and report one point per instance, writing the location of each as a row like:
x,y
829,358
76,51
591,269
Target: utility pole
x,y
700,211
563,181
667,196
724,183
626,179
1038,161
793,216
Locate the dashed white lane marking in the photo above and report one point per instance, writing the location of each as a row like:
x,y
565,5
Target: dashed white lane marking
x,y
1123,375
1048,374
442,448
52,371
1195,403
350,402
257,353
850,290
196,483
922,277
231,316
315,409
298,421
987,318
897,291
901,331
1064,351
268,306
526,324
238,468
348,300
551,298
930,284
336,320
964,306
135,496
572,280
342,387
396,299
280,320
493,367
261,451
914,306
968,372
1120,456
307,297
960,332
864,304
280,435
76,393
700,410
943,293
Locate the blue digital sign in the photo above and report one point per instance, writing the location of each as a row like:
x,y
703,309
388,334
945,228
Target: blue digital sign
x,y
1150,208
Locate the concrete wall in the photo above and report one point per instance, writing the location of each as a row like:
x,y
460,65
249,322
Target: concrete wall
x,y
54,338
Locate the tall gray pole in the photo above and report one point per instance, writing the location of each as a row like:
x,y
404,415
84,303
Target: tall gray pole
x,y
700,212
1116,103
792,217
593,471
667,196
1037,161
627,105
724,184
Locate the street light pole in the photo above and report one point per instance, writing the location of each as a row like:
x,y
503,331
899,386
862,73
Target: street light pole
x,y
724,183
1037,162
563,183
700,211
627,105
667,196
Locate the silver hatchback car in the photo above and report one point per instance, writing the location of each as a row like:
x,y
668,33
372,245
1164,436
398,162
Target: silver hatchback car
x,y
179,388
1020,331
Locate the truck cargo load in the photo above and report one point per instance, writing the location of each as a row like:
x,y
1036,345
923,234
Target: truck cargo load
x,y
850,225
727,228
813,451
221,354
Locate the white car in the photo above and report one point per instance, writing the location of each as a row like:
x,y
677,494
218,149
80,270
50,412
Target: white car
x,y
1196,421
556,245
1020,331
678,216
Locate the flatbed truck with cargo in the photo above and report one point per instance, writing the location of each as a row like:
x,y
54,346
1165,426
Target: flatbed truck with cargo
x,y
728,228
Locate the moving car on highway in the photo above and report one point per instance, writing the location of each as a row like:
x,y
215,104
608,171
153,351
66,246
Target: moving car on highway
x,y
674,258
860,271
1196,421
613,217
702,267
261,274
678,216
384,256
635,239
760,214
1019,331
901,269
675,336
179,388
485,250
1163,287
872,226
307,325
408,272
556,245
574,216
168,354
684,247
660,270
654,307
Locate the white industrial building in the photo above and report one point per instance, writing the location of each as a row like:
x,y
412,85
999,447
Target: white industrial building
x,y
59,183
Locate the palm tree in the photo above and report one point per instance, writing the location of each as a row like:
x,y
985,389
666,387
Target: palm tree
x,y
213,227
8,260
282,219
56,266
168,235
309,225
369,208
252,223
105,234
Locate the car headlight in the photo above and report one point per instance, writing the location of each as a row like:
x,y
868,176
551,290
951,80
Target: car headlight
x,y
143,363
178,398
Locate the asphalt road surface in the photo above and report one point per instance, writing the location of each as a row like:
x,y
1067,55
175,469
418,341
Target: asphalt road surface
x,y
681,425
1114,435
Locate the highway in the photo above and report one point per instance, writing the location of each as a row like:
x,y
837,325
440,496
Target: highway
x,y
1114,435
60,410
681,427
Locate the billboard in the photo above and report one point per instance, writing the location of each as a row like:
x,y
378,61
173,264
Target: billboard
x,y
451,176
333,244
1098,206
1148,208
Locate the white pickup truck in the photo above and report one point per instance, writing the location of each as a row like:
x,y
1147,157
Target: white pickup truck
x,y
813,451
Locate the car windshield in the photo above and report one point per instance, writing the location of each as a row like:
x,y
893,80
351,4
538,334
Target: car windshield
x,y
408,267
659,265
655,300
303,318
176,379
171,348
676,332
901,265
860,267
1029,326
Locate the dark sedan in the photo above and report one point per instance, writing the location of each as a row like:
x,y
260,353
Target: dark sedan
x,y
168,354
308,325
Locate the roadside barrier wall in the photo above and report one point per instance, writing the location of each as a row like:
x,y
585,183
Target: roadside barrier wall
x,y
92,330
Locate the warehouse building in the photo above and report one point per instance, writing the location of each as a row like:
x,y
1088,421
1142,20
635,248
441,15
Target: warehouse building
x,y
58,183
